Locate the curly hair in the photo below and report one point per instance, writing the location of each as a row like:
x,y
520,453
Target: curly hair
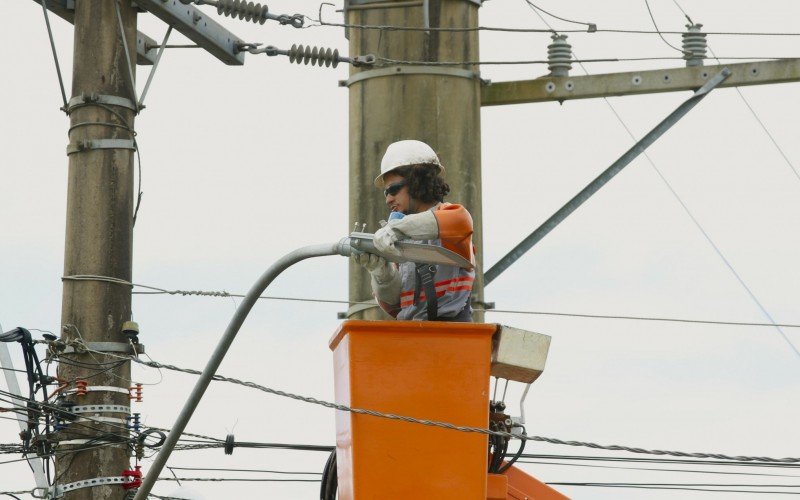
x,y
424,182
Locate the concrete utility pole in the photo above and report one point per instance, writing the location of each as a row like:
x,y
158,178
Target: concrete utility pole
x,y
99,236
439,105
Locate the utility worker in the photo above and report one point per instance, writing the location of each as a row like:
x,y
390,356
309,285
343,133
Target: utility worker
x,y
411,179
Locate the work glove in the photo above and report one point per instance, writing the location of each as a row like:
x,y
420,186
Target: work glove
x,y
385,279
421,226
378,267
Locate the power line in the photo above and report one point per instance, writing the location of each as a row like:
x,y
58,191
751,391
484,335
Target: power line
x,y
646,486
591,27
262,471
384,27
236,479
450,426
650,469
186,293
655,25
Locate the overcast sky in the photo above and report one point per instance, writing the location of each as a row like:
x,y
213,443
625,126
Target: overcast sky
x,y
241,165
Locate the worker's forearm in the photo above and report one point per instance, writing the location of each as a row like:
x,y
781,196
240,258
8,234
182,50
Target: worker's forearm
x,y
389,291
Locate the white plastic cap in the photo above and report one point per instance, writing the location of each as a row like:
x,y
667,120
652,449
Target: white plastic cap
x,y
408,152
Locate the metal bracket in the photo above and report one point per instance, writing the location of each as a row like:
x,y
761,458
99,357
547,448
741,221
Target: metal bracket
x,y
88,145
58,491
121,347
410,70
197,26
100,409
109,100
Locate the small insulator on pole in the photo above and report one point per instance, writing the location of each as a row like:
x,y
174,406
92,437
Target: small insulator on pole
x,y
694,45
135,392
81,387
559,56
229,444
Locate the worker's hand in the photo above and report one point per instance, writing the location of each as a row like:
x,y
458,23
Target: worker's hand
x,y
385,239
378,267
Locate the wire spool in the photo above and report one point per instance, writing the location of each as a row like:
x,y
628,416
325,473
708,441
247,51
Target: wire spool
x,y
559,56
694,45
318,56
248,11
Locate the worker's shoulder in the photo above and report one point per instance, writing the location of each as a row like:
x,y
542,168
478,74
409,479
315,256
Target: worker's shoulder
x,y
449,206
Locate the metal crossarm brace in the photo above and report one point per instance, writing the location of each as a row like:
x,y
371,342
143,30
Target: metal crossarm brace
x,y
145,46
637,82
198,27
601,180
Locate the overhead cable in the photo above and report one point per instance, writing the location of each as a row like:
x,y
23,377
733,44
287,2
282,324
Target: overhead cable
x,y
647,486
655,25
591,27
201,293
478,430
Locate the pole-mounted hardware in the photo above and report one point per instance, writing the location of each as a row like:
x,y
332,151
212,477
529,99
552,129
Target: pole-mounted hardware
x,y
305,54
92,144
559,56
249,11
694,45
108,100
603,178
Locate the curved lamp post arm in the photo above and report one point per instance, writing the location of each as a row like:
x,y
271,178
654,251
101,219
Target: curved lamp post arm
x,y
340,248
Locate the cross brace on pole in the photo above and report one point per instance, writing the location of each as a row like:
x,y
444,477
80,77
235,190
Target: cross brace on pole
x,y
604,177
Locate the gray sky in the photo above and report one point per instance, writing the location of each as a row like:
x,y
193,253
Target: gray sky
x,y
244,164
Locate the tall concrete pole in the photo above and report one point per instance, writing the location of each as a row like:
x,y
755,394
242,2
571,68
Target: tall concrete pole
x,y
439,105
99,237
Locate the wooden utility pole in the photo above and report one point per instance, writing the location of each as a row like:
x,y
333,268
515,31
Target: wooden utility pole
x,y
99,239
439,105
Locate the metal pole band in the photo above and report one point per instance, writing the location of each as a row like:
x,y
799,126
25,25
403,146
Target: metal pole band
x,y
100,409
88,145
410,70
105,420
109,100
101,388
59,490
121,347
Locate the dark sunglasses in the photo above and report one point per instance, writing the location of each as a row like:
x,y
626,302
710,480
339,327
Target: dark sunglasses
x,y
393,189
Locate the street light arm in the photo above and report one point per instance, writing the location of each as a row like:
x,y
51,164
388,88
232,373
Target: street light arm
x,y
340,248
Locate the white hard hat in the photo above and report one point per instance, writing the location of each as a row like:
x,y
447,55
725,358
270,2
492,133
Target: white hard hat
x,y
409,152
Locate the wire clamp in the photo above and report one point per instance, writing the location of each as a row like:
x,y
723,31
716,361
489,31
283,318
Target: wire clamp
x,y
88,145
108,100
